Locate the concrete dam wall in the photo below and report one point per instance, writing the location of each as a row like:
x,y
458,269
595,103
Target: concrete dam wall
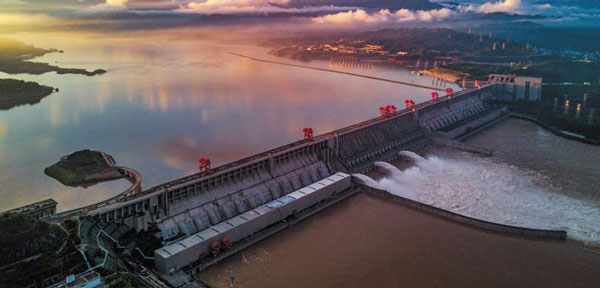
x,y
501,228
198,209
252,181
358,149
222,193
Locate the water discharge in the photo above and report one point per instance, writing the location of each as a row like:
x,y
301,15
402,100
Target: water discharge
x,y
366,180
412,155
387,168
494,191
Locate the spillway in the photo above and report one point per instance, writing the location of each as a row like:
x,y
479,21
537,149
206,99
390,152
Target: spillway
x,y
493,191
386,168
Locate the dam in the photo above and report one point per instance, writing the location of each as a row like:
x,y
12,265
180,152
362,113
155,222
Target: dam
x,y
204,217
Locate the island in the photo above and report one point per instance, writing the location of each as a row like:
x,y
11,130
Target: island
x,y
18,92
15,58
84,168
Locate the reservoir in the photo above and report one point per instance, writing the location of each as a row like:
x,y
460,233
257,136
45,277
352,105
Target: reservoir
x,y
165,102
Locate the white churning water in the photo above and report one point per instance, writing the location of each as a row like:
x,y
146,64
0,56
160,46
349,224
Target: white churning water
x,y
493,191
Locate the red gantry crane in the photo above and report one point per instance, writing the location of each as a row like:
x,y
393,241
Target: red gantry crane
x,y
387,111
308,133
204,165
410,104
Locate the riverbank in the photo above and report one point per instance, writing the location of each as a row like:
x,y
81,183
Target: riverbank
x,y
18,92
566,125
444,74
17,66
556,131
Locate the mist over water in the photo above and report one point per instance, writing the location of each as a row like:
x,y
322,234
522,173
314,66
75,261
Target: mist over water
x,y
494,191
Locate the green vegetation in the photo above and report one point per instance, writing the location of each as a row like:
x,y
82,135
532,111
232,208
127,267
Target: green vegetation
x,y
25,236
74,169
17,66
11,49
37,253
558,70
553,70
18,92
544,112
439,41
477,72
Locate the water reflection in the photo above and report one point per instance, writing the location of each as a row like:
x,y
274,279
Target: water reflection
x,y
165,103
570,167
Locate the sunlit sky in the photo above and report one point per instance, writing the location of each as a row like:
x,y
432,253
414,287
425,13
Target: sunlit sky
x,y
19,14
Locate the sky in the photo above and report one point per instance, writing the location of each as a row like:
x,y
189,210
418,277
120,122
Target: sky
x,y
35,12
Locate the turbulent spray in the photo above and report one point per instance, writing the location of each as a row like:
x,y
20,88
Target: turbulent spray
x,y
497,192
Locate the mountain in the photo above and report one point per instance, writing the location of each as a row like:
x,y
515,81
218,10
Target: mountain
x,y
369,4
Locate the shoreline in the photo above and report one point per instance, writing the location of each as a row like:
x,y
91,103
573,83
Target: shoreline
x,y
448,77
18,93
555,130
14,59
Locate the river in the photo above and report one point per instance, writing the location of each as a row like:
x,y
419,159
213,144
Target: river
x,y
164,103
368,241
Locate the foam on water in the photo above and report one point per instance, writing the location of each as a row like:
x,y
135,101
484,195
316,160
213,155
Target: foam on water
x,y
366,180
412,155
389,168
497,192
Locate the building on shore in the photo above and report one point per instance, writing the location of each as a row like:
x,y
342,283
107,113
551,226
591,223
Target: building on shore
x,y
517,87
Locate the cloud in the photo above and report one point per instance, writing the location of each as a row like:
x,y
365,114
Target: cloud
x,y
544,6
233,6
251,6
384,15
116,2
525,8
350,17
109,6
507,6
11,2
